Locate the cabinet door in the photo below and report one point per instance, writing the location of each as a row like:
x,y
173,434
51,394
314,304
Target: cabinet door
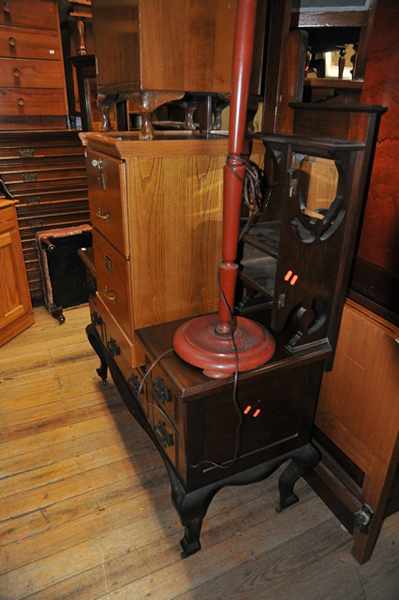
x,y
358,407
15,302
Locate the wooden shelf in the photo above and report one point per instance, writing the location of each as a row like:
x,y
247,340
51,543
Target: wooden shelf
x,y
334,83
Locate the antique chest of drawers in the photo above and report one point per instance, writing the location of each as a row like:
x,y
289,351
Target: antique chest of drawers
x,y
156,209
45,172
32,82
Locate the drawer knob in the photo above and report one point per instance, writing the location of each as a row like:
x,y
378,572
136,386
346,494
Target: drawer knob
x,y
163,435
161,391
12,42
110,294
21,102
101,215
6,6
113,347
396,340
17,73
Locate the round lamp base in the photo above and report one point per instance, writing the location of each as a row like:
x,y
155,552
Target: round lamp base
x,y
198,343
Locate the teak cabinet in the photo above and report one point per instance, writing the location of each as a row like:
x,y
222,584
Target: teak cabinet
x,y
134,37
156,209
15,305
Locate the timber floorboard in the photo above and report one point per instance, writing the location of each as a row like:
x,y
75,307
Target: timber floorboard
x,y
85,510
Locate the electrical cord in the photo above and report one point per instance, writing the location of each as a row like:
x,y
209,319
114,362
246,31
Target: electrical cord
x,y
230,463
256,192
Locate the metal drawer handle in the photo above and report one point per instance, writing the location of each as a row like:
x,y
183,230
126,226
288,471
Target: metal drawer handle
x,y
17,73
396,340
110,294
164,436
161,391
104,216
6,6
30,177
26,152
21,102
12,42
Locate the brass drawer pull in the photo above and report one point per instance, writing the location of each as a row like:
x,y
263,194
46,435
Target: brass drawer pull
x,y
104,216
26,152
30,177
21,102
110,294
12,42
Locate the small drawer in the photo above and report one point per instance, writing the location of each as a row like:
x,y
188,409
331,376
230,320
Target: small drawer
x,y
36,186
27,152
165,434
113,287
28,102
134,382
106,197
127,354
29,13
17,73
17,174
162,393
29,43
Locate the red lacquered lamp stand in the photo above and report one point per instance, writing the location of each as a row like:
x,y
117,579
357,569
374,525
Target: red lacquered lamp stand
x,y
220,344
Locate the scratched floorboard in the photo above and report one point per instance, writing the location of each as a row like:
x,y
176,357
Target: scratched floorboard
x,y
85,511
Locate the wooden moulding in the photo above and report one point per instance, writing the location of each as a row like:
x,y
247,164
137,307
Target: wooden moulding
x,y
128,145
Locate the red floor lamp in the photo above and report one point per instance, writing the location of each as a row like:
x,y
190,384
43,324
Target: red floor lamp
x,y
222,344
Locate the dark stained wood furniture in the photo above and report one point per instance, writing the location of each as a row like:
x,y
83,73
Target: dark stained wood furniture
x,y
45,171
211,433
194,421
375,281
15,305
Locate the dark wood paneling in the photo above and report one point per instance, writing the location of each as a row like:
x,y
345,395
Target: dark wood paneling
x,y
379,244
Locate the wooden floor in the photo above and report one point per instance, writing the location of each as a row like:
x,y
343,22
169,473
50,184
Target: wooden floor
x,y
85,511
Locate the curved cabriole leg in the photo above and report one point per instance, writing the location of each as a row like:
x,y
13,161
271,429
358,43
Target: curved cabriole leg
x,y
302,461
190,543
92,336
191,508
